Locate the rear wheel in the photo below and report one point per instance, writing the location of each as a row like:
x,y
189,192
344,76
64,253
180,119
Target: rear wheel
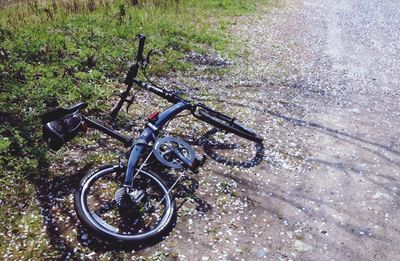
x,y
229,124
140,215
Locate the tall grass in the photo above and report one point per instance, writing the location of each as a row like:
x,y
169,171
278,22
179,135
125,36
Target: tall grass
x,y
38,11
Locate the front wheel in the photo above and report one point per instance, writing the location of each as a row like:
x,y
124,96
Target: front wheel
x,y
143,214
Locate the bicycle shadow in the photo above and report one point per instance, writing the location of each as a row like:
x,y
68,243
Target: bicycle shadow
x,y
52,194
49,191
212,149
321,128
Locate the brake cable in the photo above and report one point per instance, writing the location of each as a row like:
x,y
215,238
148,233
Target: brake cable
x,y
147,78
131,99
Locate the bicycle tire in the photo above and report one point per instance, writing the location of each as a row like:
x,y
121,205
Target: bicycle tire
x,y
226,123
100,227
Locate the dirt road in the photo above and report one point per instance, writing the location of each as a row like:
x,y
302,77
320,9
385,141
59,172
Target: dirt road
x,y
328,72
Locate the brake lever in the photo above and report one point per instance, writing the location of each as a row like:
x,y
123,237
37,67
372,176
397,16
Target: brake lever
x,y
147,60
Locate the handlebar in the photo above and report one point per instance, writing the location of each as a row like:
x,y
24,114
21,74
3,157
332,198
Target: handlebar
x,y
168,95
130,77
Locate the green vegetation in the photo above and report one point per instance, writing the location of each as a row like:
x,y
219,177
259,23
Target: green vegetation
x,y
58,53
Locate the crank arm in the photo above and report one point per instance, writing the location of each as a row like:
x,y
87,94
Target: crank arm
x,y
192,165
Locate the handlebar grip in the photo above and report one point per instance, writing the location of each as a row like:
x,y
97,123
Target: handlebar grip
x,y
142,39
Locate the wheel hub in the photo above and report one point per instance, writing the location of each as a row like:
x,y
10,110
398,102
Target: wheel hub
x,y
127,199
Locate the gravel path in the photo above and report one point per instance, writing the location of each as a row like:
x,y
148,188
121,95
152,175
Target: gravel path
x,y
328,74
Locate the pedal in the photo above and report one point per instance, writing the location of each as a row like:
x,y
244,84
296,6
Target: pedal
x,y
201,160
192,165
197,163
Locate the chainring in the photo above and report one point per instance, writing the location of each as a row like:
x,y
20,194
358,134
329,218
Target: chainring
x,y
163,151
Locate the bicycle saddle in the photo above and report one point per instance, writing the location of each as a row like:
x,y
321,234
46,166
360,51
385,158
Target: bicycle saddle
x,y
61,125
62,112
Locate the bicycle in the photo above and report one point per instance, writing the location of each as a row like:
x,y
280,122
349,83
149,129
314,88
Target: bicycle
x,y
130,203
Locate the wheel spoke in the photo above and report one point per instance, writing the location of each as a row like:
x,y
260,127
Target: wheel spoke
x,y
105,208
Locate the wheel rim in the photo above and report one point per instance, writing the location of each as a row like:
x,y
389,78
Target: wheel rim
x,y
149,217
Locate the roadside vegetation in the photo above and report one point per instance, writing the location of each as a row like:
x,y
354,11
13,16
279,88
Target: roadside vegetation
x,y
56,53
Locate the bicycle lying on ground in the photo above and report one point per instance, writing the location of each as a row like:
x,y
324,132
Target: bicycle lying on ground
x,y
131,203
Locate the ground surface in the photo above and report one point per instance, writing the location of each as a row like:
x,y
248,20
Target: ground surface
x,y
335,64
320,83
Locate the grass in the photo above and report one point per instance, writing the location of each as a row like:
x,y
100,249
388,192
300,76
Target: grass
x,y
58,53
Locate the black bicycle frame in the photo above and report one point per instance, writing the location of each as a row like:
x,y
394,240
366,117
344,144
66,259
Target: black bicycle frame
x,y
127,141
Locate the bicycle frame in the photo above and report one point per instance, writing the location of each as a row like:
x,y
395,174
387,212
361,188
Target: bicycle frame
x,y
127,141
150,134
151,130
